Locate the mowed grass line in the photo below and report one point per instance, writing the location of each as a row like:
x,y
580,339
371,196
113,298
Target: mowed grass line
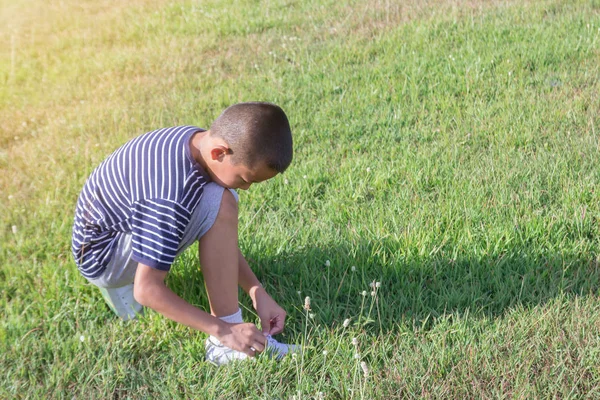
x,y
444,149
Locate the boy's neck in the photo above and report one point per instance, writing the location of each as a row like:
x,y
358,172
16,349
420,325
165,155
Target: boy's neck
x,y
197,141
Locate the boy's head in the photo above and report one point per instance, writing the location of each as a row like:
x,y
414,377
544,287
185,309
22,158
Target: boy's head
x,y
256,144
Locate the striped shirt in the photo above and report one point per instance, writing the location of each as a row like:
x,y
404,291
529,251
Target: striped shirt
x,y
148,187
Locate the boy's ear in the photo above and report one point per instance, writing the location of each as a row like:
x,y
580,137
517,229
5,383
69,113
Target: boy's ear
x,y
217,153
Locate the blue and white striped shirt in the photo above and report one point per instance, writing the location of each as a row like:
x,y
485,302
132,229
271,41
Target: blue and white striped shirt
x,y
148,187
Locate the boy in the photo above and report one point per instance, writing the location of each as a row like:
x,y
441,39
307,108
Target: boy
x,y
162,191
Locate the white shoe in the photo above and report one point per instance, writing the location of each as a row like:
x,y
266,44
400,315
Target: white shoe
x,y
218,354
279,350
121,301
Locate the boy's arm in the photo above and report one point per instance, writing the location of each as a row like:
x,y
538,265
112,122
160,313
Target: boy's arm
x,y
272,316
149,290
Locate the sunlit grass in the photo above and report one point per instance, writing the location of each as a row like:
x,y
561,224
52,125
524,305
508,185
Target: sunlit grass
x,y
447,150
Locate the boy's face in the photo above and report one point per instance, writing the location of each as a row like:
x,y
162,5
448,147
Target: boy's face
x,y
238,176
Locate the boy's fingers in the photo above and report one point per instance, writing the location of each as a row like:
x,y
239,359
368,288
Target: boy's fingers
x,y
277,326
259,337
258,347
265,325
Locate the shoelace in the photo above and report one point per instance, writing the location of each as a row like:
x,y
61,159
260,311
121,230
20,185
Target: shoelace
x,y
275,348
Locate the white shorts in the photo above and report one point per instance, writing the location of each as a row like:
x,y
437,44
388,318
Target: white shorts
x,y
121,268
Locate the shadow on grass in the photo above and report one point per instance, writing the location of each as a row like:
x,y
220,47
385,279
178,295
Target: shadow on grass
x,y
413,291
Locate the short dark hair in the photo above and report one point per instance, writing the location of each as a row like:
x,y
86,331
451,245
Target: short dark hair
x,y
256,132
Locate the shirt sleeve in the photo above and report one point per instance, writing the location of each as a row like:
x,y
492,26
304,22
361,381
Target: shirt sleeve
x,y
157,228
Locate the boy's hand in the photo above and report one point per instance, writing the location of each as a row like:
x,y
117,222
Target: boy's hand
x,y
272,316
243,337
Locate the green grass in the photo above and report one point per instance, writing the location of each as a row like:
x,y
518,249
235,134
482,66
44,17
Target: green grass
x,y
448,150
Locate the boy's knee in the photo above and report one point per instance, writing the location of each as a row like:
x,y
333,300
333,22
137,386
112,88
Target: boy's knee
x,y
229,206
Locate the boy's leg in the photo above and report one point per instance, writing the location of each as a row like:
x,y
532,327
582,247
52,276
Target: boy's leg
x,y
219,258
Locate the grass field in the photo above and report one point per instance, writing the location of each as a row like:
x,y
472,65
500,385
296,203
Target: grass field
x,y
447,149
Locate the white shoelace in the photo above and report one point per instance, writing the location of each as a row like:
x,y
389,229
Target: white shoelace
x,y
278,349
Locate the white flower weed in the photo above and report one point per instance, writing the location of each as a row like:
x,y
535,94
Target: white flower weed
x,y
307,303
365,368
